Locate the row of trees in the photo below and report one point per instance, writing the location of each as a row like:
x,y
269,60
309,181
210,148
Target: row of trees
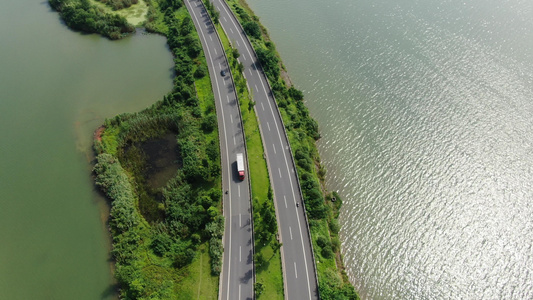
x,y
81,15
213,12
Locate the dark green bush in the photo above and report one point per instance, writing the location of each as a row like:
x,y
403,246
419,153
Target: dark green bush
x,y
252,29
334,226
327,252
295,94
200,72
335,244
209,123
322,241
161,244
172,4
270,63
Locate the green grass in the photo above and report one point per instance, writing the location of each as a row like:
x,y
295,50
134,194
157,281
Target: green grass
x,y
110,140
191,282
158,23
269,274
135,14
203,89
199,284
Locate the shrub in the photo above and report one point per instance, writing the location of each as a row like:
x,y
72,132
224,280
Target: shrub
x,y
334,226
209,123
200,72
322,241
216,251
270,63
252,29
161,244
295,94
335,244
183,257
327,252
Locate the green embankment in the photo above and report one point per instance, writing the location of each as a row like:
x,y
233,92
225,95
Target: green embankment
x,y
303,132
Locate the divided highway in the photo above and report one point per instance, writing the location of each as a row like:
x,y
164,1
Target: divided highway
x,y
237,277
297,259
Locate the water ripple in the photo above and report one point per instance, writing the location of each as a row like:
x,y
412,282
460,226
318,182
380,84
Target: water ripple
x,y
426,117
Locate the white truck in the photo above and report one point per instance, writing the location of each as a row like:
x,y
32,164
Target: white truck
x,y
240,165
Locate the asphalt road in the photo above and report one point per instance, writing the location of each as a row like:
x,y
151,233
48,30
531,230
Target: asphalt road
x,y
237,277
298,264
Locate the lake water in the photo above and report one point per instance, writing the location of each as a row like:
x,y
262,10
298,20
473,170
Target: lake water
x,y
426,117
56,88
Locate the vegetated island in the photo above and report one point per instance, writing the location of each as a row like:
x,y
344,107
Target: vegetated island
x,y
160,168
